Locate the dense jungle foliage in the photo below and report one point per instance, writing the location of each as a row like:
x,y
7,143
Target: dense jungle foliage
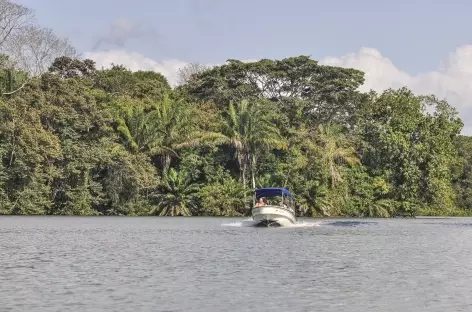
x,y
77,140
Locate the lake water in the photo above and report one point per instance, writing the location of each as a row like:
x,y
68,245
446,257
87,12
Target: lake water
x,y
218,264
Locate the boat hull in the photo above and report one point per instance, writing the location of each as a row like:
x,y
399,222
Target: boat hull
x,y
273,216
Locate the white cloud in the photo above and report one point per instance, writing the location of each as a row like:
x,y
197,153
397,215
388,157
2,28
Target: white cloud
x,y
451,81
380,72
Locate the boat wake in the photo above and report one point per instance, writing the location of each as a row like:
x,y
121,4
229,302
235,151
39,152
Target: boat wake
x,y
252,223
244,223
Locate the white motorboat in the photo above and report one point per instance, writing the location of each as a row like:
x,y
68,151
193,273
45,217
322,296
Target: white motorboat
x,y
273,207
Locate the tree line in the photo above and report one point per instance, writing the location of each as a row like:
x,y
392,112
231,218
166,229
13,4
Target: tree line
x,y
77,140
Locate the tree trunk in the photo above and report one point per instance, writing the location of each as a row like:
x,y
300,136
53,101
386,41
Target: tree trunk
x,y
241,169
244,173
253,167
10,80
165,164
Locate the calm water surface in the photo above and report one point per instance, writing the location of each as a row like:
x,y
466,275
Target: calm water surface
x,y
217,264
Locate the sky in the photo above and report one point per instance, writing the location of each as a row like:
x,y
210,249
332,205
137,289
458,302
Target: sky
x,y
420,44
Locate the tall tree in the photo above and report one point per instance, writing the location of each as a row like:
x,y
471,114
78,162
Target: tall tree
x,y
70,67
325,93
14,19
249,130
120,81
402,141
162,129
188,73
35,48
336,151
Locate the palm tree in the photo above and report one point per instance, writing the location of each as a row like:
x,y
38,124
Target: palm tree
x,y
381,208
177,195
168,127
336,151
250,131
174,127
139,130
267,180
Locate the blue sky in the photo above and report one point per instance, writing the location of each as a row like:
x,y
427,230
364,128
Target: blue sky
x,y
396,42
414,34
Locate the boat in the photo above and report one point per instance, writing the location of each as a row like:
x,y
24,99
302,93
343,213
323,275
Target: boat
x,y
273,206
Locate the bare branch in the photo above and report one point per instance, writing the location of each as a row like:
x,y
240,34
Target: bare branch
x,y
187,72
13,19
34,49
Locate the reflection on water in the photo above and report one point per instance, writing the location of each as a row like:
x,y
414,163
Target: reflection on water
x,y
221,264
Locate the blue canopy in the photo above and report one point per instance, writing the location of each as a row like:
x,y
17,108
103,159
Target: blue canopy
x,y
272,191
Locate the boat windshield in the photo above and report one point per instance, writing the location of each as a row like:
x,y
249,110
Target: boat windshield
x,y
274,197
272,200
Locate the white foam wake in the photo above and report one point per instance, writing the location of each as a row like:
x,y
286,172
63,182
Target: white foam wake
x,y
249,223
244,223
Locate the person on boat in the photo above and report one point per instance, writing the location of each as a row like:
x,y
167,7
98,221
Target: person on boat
x,y
261,202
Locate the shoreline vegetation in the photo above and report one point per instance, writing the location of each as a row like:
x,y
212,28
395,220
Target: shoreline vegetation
x,y
78,140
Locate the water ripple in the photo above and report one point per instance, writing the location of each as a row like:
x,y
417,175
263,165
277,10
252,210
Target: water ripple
x,y
218,264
